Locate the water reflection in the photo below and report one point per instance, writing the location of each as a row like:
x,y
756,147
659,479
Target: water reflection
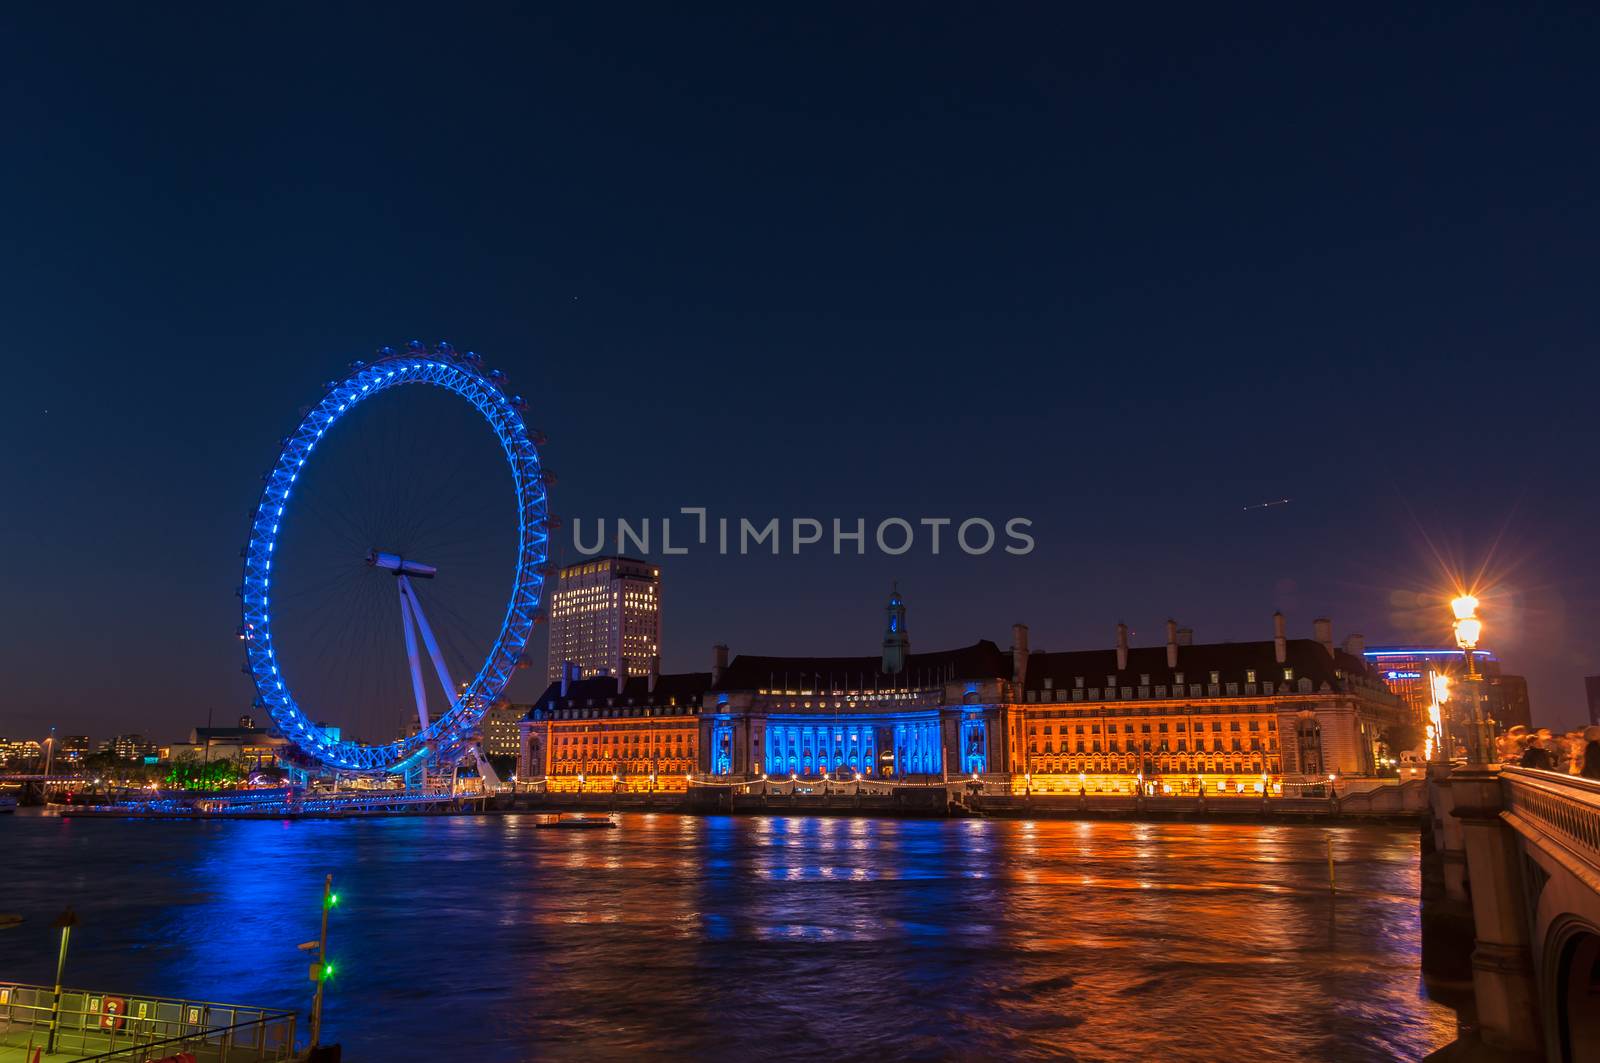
x,y
779,938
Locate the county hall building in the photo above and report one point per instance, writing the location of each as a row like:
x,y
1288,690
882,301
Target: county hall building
x,y
1236,716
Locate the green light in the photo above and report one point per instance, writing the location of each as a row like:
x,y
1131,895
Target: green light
x,y
333,899
327,970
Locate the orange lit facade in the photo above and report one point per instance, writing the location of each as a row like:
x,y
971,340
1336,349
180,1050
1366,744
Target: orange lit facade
x,y
597,735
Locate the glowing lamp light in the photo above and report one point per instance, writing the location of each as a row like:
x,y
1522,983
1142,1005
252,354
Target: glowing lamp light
x,y
1464,607
1468,631
1441,689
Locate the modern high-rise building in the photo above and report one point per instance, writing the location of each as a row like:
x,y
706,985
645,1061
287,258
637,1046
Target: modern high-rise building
x,y
74,748
1591,686
1409,672
605,617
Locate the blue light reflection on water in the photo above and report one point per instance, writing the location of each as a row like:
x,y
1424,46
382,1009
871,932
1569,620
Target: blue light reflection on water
x,y
737,937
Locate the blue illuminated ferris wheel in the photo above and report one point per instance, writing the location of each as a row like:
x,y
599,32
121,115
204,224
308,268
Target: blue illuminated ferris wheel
x,y
433,738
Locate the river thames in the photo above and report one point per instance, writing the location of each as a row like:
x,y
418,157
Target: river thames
x,y
483,938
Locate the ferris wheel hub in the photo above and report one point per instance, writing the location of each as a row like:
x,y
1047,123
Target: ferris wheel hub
x,y
401,566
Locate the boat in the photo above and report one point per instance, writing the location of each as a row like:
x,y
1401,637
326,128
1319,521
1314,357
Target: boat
x,y
557,822
7,803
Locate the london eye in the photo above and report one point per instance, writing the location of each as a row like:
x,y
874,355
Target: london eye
x,y
391,584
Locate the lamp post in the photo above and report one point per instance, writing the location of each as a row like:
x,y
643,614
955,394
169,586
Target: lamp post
x,y
1468,630
64,923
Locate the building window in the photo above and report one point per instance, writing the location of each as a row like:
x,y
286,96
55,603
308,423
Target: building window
x,y
1250,675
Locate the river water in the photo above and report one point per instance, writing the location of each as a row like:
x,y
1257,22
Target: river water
x,y
484,939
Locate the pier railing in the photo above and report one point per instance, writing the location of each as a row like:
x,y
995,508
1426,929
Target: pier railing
x,y
105,1026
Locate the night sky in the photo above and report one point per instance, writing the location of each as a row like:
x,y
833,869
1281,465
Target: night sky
x,y
1121,274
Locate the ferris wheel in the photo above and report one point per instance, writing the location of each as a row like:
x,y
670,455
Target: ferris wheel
x,y
409,513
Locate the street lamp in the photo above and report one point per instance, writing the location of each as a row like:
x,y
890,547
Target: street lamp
x,y
1468,630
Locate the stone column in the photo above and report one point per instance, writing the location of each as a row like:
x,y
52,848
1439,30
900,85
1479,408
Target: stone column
x,y
1502,964
1447,833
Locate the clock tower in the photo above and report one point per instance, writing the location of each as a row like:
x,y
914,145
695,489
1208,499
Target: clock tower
x,y
896,641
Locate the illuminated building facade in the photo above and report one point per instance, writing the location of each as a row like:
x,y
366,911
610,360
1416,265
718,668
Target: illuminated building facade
x,y
1237,716
609,733
74,748
605,617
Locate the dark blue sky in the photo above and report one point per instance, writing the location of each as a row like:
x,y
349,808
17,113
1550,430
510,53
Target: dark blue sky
x,y
1123,274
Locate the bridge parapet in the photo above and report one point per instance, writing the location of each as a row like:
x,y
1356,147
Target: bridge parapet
x,y
1564,809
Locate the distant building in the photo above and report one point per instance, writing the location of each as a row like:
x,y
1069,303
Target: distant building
x,y
1591,686
502,737
20,754
605,617
258,745
129,747
1508,701
74,748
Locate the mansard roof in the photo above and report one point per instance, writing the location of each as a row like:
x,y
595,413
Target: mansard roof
x,y
981,660
1309,659
683,688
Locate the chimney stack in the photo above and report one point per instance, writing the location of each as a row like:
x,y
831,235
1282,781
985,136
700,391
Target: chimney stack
x,y
1280,640
1122,647
1355,645
1186,636
1322,628
1019,654
719,662
1172,643
655,672
566,677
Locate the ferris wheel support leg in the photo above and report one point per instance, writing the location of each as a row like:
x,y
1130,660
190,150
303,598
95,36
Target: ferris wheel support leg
x,y
486,772
417,689
450,691
417,774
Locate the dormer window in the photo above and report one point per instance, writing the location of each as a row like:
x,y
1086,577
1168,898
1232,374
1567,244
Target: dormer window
x,y
1144,680
1177,677
1250,675
1216,677
1288,674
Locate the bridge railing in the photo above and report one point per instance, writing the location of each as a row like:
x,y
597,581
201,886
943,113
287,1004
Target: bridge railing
x,y
1565,806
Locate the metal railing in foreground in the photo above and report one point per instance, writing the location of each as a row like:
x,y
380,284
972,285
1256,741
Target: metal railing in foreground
x,y
106,1026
